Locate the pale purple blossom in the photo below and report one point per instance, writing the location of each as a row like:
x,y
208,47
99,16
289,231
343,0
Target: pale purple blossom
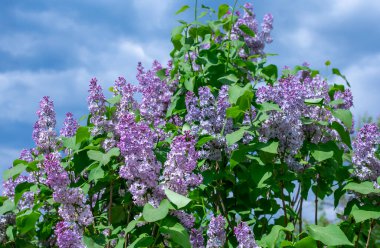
x,y
244,236
70,126
69,235
216,232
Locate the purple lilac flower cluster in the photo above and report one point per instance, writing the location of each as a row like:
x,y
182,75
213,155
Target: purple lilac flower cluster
x,y
196,238
216,233
178,172
9,185
156,94
207,116
244,236
181,161
141,169
70,126
44,134
365,147
256,43
68,235
97,106
286,125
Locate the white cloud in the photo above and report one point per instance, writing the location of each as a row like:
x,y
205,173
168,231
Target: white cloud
x,y
364,75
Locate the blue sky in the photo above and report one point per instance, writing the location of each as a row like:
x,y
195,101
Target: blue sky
x,y
55,47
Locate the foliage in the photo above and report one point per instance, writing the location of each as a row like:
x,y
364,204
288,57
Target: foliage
x,y
222,150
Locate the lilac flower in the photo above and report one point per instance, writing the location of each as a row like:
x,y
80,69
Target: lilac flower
x,y
207,116
216,233
244,236
347,98
57,177
196,238
26,155
96,104
69,235
256,43
70,126
156,94
365,158
141,169
181,161
187,220
10,185
44,134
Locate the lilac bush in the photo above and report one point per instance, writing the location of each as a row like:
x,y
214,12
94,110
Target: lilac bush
x,y
215,148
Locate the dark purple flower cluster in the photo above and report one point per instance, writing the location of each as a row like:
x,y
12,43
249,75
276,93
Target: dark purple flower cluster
x,y
196,238
207,116
44,134
365,147
255,43
141,169
97,106
216,233
70,126
244,236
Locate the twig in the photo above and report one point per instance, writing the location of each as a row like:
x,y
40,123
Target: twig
x,y
369,233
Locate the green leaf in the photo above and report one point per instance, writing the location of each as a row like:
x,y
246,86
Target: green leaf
x,y
152,214
265,177
95,242
103,158
345,116
204,140
337,72
269,147
27,221
316,101
82,134
234,137
131,225
364,188
363,215
270,73
179,200
144,240
321,153
223,9
343,133
330,235
189,84
307,242
7,206
270,240
268,106
229,79
96,173
247,30
182,9
178,234
20,189
69,142
114,100
235,92
15,170
161,74
234,112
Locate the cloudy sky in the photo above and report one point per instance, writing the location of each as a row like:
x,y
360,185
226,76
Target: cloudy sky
x,y
55,47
